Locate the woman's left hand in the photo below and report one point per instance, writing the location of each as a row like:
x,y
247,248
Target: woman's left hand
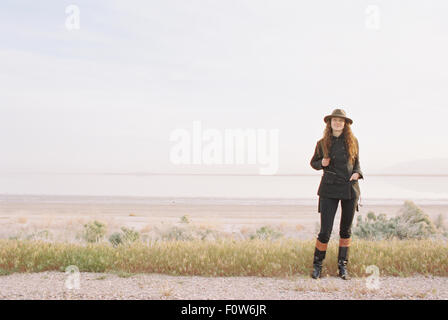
x,y
354,176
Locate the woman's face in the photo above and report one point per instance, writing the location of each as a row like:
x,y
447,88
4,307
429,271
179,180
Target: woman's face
x,y
337,123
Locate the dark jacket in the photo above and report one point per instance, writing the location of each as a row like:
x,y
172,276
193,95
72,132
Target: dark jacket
x,y
335,178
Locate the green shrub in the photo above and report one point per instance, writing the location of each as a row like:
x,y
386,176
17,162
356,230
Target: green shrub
x,y
266,233
440,225
176,233
185,219
115,239
40,235
130,235
94,231
412,223
187,232
126,236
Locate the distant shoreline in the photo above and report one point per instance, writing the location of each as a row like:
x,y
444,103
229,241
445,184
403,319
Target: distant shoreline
x,y
79,198
225,174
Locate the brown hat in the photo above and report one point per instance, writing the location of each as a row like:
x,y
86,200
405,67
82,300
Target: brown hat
x,y
338,113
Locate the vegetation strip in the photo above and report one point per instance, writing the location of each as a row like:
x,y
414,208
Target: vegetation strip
x,y
255,257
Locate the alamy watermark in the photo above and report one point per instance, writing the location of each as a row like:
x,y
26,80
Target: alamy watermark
x,y
72,21
373,17
229,146
73,277
373,281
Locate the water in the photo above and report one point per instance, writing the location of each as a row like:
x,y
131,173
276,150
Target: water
x,y
220,188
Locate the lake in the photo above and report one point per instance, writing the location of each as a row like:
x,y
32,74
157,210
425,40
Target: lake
x,y
218,188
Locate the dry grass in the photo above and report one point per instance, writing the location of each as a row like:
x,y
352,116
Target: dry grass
x,y
245,231
205,226
227,257
22,220
147,228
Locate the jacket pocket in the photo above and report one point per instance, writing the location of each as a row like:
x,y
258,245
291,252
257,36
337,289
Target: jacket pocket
x,y
329,177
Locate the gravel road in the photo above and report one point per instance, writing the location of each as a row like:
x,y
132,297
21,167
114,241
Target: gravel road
x,y
54,285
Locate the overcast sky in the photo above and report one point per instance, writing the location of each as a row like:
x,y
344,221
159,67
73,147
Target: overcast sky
x,y
106,97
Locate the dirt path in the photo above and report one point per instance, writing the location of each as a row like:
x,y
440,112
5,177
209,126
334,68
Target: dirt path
x,y
52,285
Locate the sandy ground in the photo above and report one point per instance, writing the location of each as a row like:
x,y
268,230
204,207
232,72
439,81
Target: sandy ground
x,y
63,220
54,285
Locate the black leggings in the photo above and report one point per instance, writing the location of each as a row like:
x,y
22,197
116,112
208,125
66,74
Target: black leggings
x,y
328,207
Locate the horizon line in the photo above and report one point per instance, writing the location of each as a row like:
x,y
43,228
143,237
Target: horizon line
x,y
217,174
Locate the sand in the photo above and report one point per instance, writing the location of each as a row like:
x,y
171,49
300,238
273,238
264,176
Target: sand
x,y
63,219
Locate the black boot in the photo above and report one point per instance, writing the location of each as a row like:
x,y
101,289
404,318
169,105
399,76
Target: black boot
x,y
319,257
342,262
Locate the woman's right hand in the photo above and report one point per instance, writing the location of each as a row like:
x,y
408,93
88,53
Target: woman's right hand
x,y
325,162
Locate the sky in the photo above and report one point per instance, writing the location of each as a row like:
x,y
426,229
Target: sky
x,y
107,97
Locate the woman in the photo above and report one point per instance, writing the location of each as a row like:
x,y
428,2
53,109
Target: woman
x,y
337,153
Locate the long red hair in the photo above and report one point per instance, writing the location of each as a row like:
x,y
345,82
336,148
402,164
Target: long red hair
x,y
350,141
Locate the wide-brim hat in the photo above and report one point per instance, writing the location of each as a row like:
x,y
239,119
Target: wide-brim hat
x,y
338,113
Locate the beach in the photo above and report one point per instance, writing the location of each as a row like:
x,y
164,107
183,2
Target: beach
x,y
64,216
